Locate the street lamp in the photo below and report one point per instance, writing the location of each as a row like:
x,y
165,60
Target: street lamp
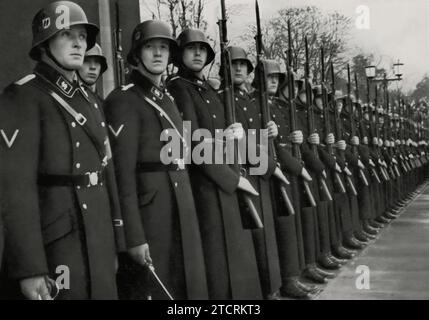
x,y
397,69
370,72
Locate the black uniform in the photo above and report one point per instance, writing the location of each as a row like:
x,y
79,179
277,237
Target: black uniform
x,y
156,198
60,164
231,266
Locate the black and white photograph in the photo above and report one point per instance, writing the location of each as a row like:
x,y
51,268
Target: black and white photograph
x,y
214,150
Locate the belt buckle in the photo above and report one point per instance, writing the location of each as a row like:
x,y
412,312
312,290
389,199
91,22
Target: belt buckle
x,y
80,118
118,222
92,178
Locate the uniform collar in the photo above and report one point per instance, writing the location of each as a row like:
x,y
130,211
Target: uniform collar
x,y
244,94
190,77
147,86
58,80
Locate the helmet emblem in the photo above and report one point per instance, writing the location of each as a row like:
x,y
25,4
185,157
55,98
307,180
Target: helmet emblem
x,y
46,22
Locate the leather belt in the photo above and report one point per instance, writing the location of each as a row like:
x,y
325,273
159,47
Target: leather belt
x,y
89,179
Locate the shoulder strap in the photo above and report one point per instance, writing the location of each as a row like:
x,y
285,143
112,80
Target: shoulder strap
x,y
79,118
163,114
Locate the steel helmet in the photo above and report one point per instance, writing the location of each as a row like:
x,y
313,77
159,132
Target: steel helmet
x,y
97,52
58,16
189,36
270,67
238,53
148,30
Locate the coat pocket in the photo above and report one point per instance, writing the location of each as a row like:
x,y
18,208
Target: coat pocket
x,y
58,228
147,197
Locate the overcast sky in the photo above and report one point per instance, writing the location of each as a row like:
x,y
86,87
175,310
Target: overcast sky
x,y
399,29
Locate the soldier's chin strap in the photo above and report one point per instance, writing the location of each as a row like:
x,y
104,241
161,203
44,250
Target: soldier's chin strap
x,y
51,56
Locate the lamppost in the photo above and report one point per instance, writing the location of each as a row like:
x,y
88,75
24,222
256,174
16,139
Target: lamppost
x,y
371,77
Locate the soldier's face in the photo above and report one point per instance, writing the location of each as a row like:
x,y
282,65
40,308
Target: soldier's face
x,y
68,47
239,71
155,54
272,83
90,70
195,56
339,106
366,116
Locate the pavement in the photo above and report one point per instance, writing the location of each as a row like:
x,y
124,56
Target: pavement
x,y
395,266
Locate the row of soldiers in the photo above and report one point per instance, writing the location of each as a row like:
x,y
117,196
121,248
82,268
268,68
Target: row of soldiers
x,y
85,186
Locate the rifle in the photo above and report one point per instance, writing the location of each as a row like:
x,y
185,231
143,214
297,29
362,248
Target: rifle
x,y
377,134
353,125
388,134
327,123
296,151
119,60
263,103
361,125
339,133
310,119
228,98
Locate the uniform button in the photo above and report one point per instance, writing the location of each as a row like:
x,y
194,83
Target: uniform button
x,y
78,165
103,124
153,98
245,109
73,124
251,120
78,187
214,116
77,144
236,99
274,115
96,106
85,206
101,183
199,89
176,184
208,101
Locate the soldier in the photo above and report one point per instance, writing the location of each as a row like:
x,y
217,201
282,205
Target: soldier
x,y
309,219
228,248
343,225
248,114
160,220
94,65
288,230
356,166
57,159
325,207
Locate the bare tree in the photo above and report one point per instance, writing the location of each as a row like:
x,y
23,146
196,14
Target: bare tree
x,y
328,30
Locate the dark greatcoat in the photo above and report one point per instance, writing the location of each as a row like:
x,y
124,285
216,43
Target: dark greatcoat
x,y
230,260
158,206
248,114
50,226
289,229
